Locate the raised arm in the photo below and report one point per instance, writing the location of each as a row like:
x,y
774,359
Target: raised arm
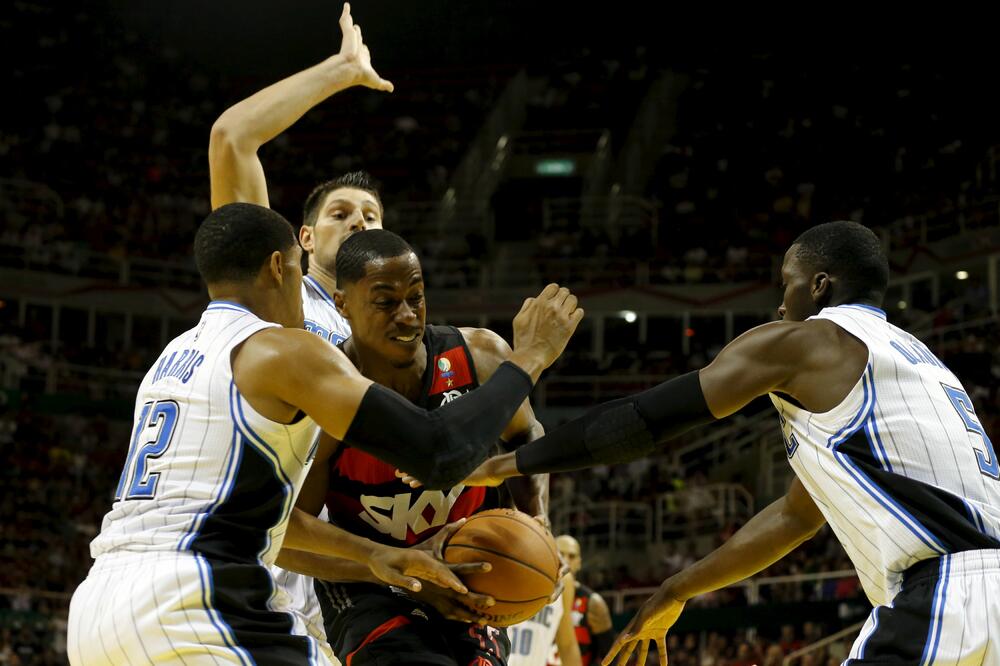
x,y
531,493
283,371
237,174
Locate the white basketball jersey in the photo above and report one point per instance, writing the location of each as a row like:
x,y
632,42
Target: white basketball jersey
x,y
204,471
901,469
531,641
321,314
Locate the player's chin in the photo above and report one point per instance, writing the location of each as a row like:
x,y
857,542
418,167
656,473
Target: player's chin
x,y
401,354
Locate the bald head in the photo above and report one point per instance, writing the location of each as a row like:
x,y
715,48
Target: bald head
x,y
569,548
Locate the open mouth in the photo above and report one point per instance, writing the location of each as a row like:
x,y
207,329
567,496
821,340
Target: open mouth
x,y
404,338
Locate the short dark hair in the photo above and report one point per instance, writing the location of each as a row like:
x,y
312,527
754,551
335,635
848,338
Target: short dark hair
x,y
358,180
361,248
850,252
235,240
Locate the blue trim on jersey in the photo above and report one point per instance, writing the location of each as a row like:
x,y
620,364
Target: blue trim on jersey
x,y
937,613
207,591
871,429
228,483
977,518
870,308
227,305
311,281
857,421
864,643
275,462
878,494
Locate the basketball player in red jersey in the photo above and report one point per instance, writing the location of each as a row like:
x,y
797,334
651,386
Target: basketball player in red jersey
x,y
591,616
381,293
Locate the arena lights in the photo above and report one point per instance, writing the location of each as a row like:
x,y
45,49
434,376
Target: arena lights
x,y
962,275
629,316
901,305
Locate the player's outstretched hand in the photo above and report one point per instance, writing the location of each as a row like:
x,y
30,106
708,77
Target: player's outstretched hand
x,y
650,624
355,53
546,322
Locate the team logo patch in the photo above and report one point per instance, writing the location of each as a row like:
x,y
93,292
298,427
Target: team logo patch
x,y
451,370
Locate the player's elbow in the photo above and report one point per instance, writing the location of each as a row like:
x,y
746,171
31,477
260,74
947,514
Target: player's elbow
x,y
228,138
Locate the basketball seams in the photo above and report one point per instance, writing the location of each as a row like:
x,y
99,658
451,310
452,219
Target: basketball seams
x,y
504,556
510,514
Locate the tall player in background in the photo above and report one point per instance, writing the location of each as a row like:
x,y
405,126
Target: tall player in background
x,y
226,423
381,293
591,616
885,445
333,211
548,638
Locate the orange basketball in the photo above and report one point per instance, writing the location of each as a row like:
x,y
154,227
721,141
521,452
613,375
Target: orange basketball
x,y
524,558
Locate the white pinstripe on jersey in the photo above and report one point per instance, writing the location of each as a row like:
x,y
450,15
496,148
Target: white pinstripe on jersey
x,y
900,469
203,503
322,317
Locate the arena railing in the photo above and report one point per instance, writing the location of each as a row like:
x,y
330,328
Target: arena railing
x,y
614,525
620,601
848,633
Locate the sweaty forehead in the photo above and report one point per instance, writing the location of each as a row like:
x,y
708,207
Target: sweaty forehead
x,y
350,196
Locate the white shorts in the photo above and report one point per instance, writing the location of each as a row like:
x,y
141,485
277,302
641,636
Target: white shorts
x,y
947,612
182,608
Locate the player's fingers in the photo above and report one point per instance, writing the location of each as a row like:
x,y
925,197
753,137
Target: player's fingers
x,y
475,600
551,289
561,296
528,302
569,305
442,576
661,650
626,653
615,648
577,316
399,580
357,31
456,611
643,652
345,15
471,567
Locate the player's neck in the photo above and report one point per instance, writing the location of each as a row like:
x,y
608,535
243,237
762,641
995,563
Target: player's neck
x,y
262,307
325,278
407,381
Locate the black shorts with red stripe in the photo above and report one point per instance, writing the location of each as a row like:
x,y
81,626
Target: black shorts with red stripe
x,y
371,625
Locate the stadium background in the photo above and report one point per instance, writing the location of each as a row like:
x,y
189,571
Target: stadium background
x,y
658,169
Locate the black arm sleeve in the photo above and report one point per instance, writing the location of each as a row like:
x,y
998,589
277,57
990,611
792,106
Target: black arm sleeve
x,y
439,447
621,430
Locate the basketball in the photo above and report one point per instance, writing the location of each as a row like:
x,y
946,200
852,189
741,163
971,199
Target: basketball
x,y
524,559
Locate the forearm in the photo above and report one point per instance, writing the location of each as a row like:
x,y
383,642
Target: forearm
x,y
619,431
259,118
529,493
309,534
439,447
765,539
325,567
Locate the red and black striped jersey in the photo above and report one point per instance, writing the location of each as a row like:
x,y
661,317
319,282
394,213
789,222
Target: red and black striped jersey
x,y
364,495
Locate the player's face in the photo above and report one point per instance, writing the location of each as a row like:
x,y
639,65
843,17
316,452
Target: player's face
x,y
345,211
798,284
386,308
291,288
571,553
